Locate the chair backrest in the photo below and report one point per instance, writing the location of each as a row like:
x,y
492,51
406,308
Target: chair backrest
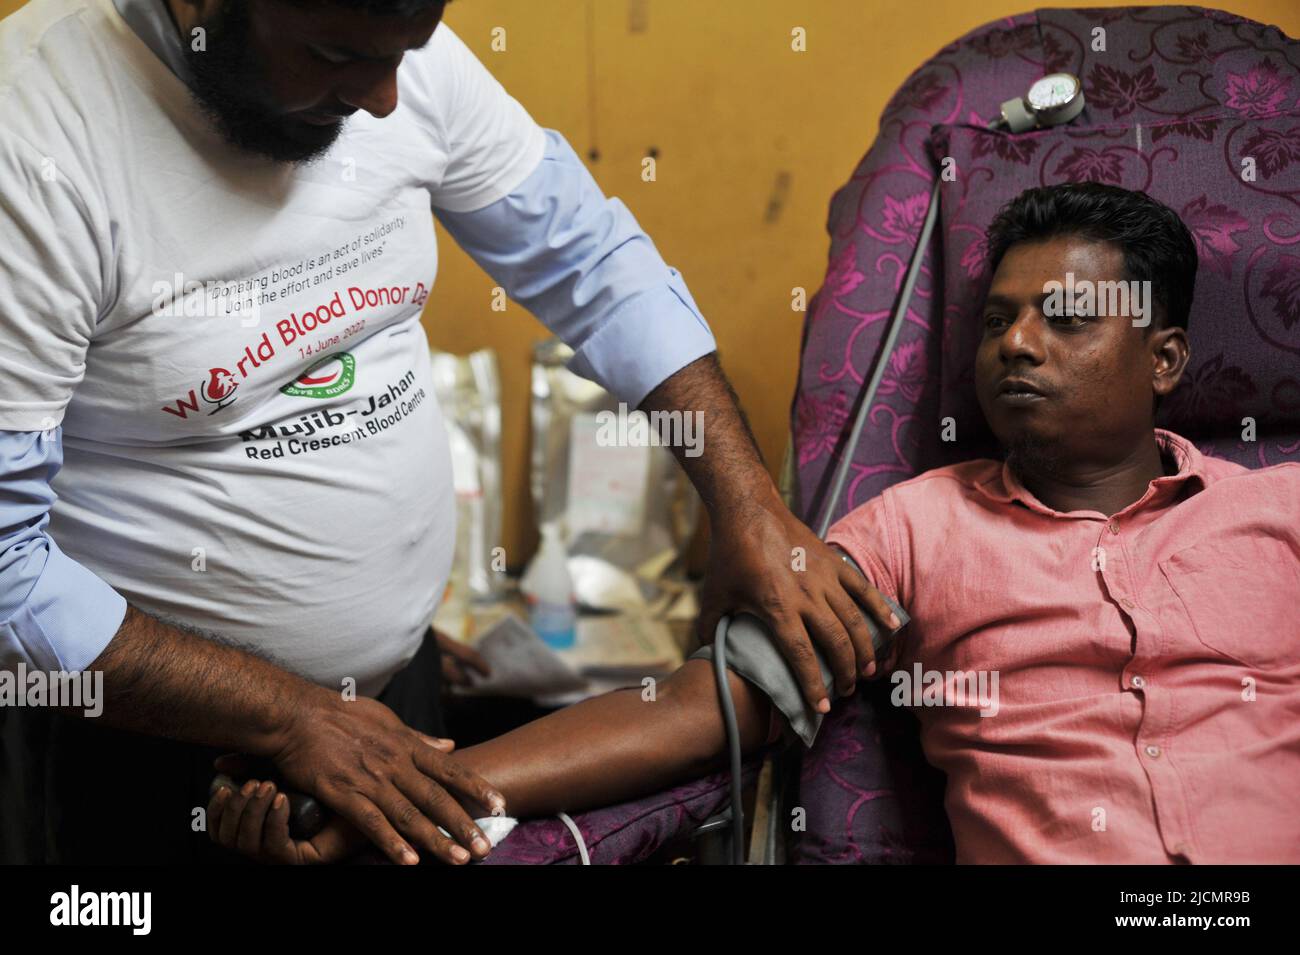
x,y
1200,109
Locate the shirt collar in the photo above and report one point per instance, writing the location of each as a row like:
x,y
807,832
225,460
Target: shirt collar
x,y
1006,486
152,23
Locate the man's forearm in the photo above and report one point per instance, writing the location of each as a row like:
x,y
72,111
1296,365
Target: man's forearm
x,y
163,681
730,471
619,745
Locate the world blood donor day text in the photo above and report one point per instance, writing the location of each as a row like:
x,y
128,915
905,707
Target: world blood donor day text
x,y
298,324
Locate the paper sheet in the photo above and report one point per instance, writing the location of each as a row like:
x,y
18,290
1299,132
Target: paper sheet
x,y
611,651
522,664
624,643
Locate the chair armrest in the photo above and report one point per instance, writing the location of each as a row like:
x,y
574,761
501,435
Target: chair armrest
x,y
625,833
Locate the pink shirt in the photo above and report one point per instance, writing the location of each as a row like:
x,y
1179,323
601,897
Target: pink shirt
x,y
1147,665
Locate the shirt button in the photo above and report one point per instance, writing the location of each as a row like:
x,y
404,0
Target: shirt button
x,y
1153,751
1113,527
1128,604
1137,683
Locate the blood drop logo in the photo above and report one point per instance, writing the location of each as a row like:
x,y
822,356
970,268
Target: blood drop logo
x,y
325,379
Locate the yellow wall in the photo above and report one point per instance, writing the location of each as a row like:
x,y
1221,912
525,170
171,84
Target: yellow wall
x,y
714,86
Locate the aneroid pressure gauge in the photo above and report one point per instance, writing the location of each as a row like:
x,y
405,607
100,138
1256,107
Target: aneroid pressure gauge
x,y
1055,99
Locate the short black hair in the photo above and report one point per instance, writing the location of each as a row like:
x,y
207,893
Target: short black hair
x,y
1156,244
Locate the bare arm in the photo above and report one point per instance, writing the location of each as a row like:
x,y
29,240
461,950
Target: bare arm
x,y
601,751
730,472
160,680
618,746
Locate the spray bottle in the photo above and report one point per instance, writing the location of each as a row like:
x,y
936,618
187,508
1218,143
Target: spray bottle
x,y
548,590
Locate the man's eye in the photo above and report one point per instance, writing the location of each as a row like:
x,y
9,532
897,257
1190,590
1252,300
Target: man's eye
x,y
992,320
328,57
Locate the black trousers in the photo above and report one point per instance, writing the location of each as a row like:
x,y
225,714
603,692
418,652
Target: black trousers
x,y
74,792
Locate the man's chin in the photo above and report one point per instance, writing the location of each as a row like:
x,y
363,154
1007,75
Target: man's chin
x,y
282,140
253,127
1029,452
304,142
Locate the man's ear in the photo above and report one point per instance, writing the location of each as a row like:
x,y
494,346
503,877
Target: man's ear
x,y
1170,354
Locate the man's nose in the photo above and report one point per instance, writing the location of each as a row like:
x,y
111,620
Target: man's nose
x,y
1024,337
376,93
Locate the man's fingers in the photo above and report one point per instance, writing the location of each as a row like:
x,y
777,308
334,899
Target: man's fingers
x,y
869,598
461,654
836,647
374,825
855,623
248,833
474,660
416,806
412,811
228,832
452,672
276,840
334,843
432,794
216,809
793,641
466,655
453,775
455,820
254,820
437,742
791,638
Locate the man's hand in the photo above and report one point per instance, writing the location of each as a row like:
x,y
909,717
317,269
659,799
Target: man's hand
x,y
254,820
458,658
389,781
356,757
752,557
763,560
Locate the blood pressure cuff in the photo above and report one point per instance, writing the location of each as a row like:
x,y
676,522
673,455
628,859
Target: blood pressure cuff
x,y
752,654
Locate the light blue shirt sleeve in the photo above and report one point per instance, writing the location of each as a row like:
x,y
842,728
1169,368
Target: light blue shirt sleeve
x,y
580,263
54,613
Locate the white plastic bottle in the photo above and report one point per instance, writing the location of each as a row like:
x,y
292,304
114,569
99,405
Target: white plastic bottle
x,y
548,590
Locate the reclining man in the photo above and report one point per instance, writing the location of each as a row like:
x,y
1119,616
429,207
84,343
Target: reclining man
x,y
1130,602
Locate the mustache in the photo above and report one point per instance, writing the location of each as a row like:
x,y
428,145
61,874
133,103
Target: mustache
x,y
1018,382
339,113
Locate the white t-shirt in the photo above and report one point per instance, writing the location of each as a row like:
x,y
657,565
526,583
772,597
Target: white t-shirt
x,y
260,454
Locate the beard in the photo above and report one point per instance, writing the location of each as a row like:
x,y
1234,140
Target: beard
x,y
228,83
1030,454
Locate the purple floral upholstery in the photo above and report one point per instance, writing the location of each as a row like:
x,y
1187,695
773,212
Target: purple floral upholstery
x,y
1177,101
624,834
869,794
